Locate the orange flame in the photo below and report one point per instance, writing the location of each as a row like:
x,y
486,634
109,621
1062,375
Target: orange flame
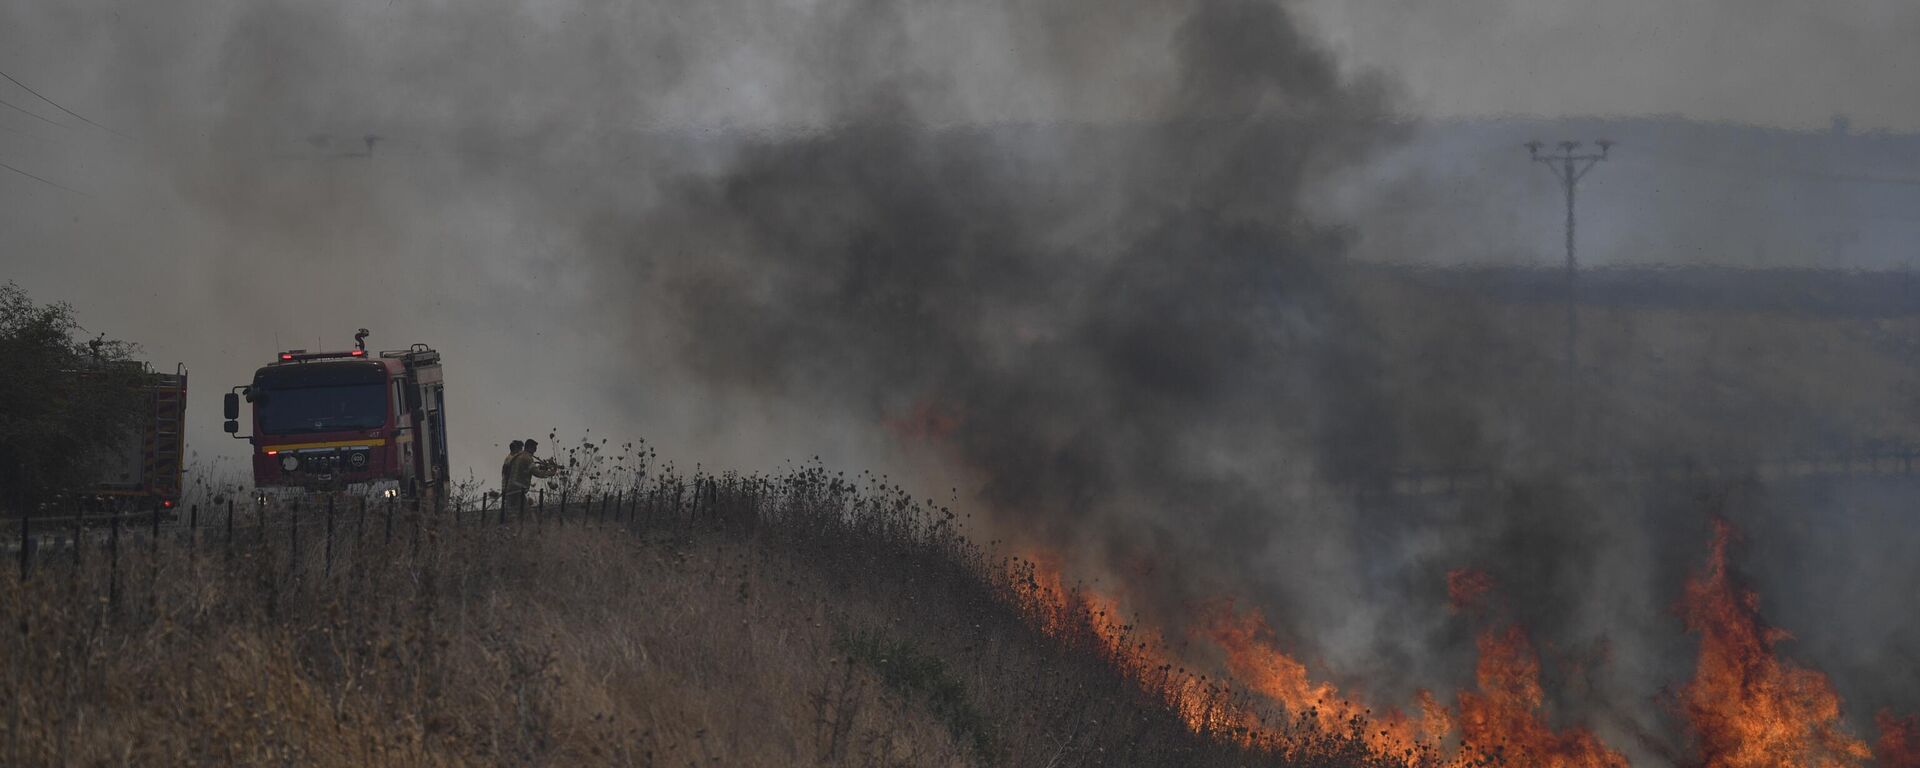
x,y
1257,663
927,422
1503,717
1467,587
1060,611
1899,745
1747,707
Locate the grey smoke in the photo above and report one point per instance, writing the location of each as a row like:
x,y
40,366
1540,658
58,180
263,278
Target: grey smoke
x,y
1077,260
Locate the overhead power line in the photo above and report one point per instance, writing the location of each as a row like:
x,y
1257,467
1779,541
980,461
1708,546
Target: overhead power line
x,y
48,182
56,105
34,136
28,113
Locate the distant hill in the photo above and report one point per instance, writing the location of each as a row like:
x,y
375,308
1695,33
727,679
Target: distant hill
x,y
1819,292
1673,192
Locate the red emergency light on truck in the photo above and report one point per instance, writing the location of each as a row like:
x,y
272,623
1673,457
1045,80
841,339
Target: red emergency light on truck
x,y
348,421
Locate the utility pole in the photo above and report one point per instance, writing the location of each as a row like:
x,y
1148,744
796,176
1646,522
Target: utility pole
x,y
1569,166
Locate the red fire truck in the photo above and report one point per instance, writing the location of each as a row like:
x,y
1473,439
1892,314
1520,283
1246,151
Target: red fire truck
x,y
145,468
349,421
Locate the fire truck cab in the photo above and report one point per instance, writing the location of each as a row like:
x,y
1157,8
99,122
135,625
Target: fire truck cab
x,y
347,421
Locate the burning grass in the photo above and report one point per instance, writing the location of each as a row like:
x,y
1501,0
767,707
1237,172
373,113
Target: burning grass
x,y
805,619
1750,708
1746,706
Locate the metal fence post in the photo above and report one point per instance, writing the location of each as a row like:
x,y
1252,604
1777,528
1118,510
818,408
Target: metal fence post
x,y
327,568
541,512
563,508
26,513
113,556
260,537
416,527
267,580
293,540
153,569
79,529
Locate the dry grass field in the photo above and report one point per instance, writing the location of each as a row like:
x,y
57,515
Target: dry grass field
x,y
1478,382
781,622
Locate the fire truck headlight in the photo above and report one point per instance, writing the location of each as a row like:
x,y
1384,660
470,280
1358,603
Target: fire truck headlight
x,y
289,462
357,460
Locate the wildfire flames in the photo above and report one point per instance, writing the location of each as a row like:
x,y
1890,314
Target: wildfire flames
x,y
1899,745
1748,707
1256,663
1745,707
1504,716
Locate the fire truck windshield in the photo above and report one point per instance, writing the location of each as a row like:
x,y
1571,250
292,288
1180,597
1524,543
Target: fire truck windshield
x,y
322,409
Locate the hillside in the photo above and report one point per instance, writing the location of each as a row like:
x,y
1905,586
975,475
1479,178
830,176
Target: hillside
x,y
788,621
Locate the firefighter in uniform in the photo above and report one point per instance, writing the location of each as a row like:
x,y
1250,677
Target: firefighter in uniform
x,y
506,468
522,469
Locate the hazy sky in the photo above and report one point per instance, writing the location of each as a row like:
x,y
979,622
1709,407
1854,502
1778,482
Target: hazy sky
x,y
1762,61
1772,62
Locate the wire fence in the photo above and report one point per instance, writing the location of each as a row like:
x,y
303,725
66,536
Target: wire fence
x,y
338,529
323,535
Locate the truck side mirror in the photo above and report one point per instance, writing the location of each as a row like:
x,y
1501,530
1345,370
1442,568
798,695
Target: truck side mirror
x,y
230,406
231,426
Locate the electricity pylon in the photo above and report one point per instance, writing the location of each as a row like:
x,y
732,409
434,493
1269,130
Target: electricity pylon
x,y
1569,166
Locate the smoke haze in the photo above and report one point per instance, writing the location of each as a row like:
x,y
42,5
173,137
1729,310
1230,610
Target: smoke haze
x,y
1087,264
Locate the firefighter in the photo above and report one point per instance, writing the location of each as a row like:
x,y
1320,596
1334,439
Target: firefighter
x,y
506,468
523,468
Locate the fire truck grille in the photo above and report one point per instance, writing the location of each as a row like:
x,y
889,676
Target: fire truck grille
x,y
320,463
